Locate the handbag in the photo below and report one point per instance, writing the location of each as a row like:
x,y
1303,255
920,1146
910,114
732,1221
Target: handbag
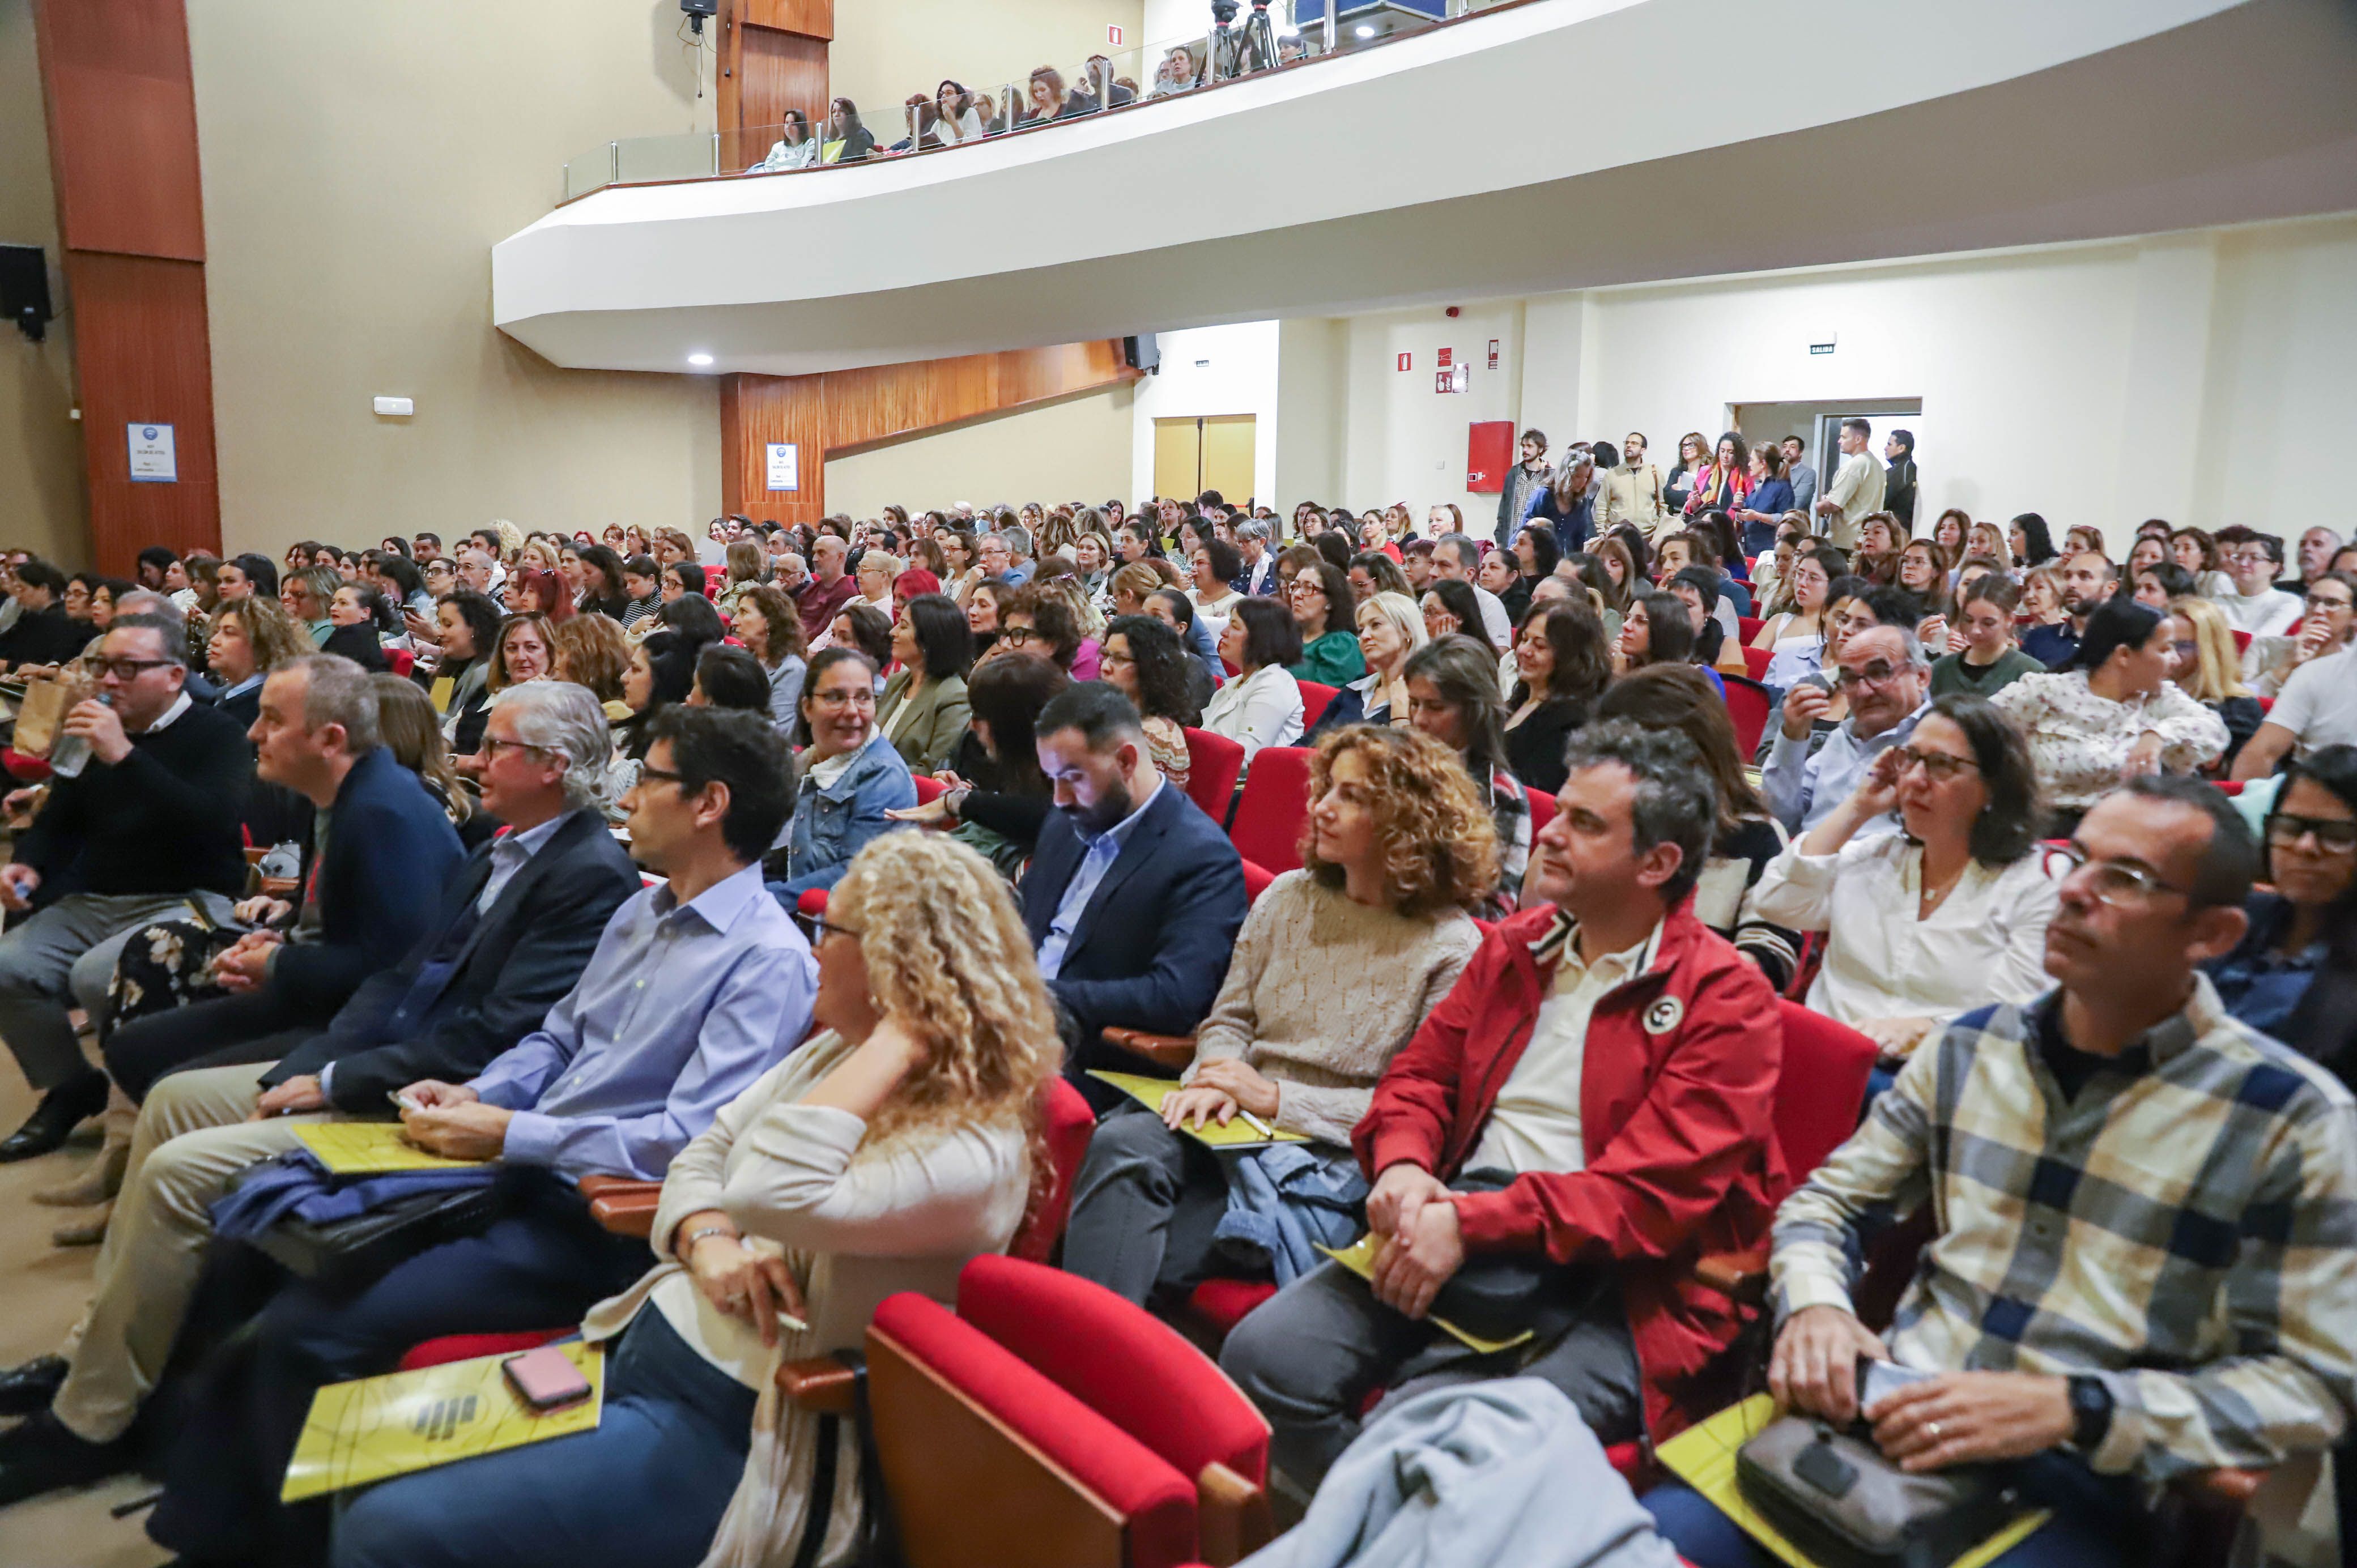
x,y
345,1254
1832,1495
1498,1296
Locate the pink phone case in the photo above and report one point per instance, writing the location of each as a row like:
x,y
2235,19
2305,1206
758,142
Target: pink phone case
x,y
544,1379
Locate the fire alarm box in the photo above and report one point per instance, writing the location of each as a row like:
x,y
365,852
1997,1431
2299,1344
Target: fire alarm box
x,y
1488,452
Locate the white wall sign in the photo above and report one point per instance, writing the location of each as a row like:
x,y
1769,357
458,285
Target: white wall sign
x,y
785,466
153,461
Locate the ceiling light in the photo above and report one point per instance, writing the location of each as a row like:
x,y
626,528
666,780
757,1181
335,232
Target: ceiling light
x,y
699,359
1364,31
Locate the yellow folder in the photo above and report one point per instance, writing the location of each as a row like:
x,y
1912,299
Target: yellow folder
x,y
1239,1133
376,1428
1703,1456
1360,1259
370,1148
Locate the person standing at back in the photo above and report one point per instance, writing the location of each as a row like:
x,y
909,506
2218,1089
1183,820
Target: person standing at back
x,y
1802,478
1856,488
1525,479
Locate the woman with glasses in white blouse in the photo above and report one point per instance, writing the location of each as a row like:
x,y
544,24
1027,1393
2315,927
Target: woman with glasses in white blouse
x,y
1261,706
1944,916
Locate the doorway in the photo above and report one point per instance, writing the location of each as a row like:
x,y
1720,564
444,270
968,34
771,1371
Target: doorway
x,y
1207,452
1819,424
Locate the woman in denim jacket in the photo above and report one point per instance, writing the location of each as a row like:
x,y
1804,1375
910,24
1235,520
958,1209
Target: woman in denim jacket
x,y
850,775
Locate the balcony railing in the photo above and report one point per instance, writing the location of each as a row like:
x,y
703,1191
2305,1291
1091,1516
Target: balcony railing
x,y
1260,40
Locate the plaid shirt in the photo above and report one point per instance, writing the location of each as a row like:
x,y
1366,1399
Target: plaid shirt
x,y
2185,1229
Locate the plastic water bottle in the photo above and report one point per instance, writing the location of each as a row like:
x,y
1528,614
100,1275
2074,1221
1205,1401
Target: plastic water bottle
x,y
70,755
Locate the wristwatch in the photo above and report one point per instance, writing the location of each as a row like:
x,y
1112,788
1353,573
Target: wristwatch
x,y
2091,1412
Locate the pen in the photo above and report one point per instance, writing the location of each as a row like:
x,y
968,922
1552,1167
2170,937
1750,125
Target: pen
x,y
1256,1123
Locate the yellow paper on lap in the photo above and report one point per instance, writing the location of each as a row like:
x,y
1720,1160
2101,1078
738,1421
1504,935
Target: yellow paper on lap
x,y
370,1148
377,1428
1150,1092
1359,1257
1703,1456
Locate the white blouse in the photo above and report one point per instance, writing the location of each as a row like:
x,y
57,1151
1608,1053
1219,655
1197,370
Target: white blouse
x,y
2079,741
1254,711
1986,944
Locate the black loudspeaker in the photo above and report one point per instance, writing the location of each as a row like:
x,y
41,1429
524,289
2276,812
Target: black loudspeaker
x,y
1143,353
700,7
25,289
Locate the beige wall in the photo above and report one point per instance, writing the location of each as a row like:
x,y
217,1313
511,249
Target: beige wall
x,y
43,506
1074,450
885,50
360,161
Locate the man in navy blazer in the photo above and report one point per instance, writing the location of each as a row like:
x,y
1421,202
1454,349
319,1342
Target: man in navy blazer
x,y
1135,897
373,881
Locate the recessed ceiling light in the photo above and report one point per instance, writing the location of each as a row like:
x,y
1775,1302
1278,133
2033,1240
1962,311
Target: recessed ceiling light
x,y
1364,31
699,359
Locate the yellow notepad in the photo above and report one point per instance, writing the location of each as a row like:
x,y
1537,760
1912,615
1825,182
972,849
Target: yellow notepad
x,y
1360,1259
376,1428
370,1148
1703,1456
1237,1134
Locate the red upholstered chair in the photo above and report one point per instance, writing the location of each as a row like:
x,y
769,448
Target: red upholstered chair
x,y
1747,627
1755,661
467,1347
1747,706
2230,786
810,901
1314,698
929,788
1213,762
1070,1122
1275,805
1256,880
2241,642
400,660
1542,809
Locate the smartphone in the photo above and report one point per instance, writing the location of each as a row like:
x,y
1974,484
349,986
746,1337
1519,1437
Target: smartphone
x,y
546,1378
1816,680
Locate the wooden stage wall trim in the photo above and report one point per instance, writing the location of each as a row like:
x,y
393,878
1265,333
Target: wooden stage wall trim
x,y
837,410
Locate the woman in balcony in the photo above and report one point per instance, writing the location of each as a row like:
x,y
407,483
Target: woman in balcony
x,y
957,117
1050,98
794,148
848,141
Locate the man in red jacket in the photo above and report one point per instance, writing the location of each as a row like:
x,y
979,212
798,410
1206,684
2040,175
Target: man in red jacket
x,y
1606,1065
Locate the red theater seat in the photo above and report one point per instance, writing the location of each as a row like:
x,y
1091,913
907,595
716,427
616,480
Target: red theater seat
x,y
1275,805
1748,704
1314,698
1213,761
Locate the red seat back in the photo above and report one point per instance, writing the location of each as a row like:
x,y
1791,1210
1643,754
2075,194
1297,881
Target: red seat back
x,y
1747,706
1314,698
1213,761
1256,880
1820,1087
1747,627
1756,660
1069,1123
1119,1360
1275,804
401,661
810,901
928,787
1542,809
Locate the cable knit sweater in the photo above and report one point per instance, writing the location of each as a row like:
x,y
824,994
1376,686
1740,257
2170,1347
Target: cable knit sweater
x,y
1355,983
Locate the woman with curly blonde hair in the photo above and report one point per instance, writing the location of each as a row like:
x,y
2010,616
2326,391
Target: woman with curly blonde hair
x,y
592,652
1336,968
898,1143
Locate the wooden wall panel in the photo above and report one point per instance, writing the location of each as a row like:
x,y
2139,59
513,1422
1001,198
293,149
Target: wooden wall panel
x,y
814,18
839,411
122,126
144,355
772,58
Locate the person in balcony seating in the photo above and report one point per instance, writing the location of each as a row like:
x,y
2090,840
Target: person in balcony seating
x,y
846,141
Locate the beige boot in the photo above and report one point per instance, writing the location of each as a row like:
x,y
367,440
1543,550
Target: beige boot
x,y
87,1231
102,1177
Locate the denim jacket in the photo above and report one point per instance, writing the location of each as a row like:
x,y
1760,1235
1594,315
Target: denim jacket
x,y
833,823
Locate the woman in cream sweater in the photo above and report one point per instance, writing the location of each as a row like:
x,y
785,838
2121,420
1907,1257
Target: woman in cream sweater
x,y
895,1145
1336,968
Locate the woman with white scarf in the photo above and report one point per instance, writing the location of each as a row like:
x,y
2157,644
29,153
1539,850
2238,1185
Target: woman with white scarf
x,y
898,1143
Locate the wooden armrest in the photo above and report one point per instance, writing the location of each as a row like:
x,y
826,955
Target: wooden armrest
x,y
280,887
1233,1516
624,1207
254,853
822,1385
1739,1276
1174,1051
2228,1488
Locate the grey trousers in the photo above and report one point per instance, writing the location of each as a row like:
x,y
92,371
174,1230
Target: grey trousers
x,y
63,955
1310,1356
1145,1207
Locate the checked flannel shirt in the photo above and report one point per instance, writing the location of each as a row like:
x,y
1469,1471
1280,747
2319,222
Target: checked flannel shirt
x,y
2184,1228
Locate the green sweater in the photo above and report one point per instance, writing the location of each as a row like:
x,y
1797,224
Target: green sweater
x,y
1951,675
1332,660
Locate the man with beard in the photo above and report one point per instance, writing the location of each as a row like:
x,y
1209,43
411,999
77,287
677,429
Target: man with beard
x,y
2088,580
1134,896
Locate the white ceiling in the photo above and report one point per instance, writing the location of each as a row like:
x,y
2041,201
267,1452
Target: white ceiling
x,y
1561,144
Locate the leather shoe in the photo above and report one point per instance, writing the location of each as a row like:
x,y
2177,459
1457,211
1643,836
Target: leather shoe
x,y
61,1110
41,1456
27,1389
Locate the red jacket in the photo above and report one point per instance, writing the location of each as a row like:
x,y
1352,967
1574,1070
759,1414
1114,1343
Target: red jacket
x,y
1677,1085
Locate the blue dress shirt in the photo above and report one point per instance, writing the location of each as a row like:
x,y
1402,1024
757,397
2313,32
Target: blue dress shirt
x,y
1103,851
1801,790
680,1009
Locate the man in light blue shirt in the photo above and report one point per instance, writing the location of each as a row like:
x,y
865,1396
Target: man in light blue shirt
x,y
1103,846
1883,673
696,988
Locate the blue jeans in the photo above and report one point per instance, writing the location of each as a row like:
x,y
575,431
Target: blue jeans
x,y
646,1489
2097,1522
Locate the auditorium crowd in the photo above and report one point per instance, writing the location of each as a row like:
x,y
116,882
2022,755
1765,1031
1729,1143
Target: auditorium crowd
x,y
1494,871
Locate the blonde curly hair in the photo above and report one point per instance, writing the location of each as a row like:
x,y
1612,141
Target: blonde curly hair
x,y
947,953
1439,841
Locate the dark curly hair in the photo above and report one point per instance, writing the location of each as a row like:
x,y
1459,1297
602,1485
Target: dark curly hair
x,y
1440,843
1162,660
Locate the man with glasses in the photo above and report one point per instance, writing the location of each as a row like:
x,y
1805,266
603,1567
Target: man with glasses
x,y
2144,1255
2256,605
1882,671
150,822
2318,706
2088,579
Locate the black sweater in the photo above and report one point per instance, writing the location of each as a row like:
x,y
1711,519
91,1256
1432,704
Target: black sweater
x,y
46,636
163,820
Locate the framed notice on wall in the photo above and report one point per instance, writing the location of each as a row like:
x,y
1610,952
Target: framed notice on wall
x,y
785,466
152,461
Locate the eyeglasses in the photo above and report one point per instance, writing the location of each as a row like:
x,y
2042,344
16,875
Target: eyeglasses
x,y
2115,882
1874,674
1105,660
2334,835
127,669
1019,636
815,928
2186,649
492,746
857,697
2318,603
1937,766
